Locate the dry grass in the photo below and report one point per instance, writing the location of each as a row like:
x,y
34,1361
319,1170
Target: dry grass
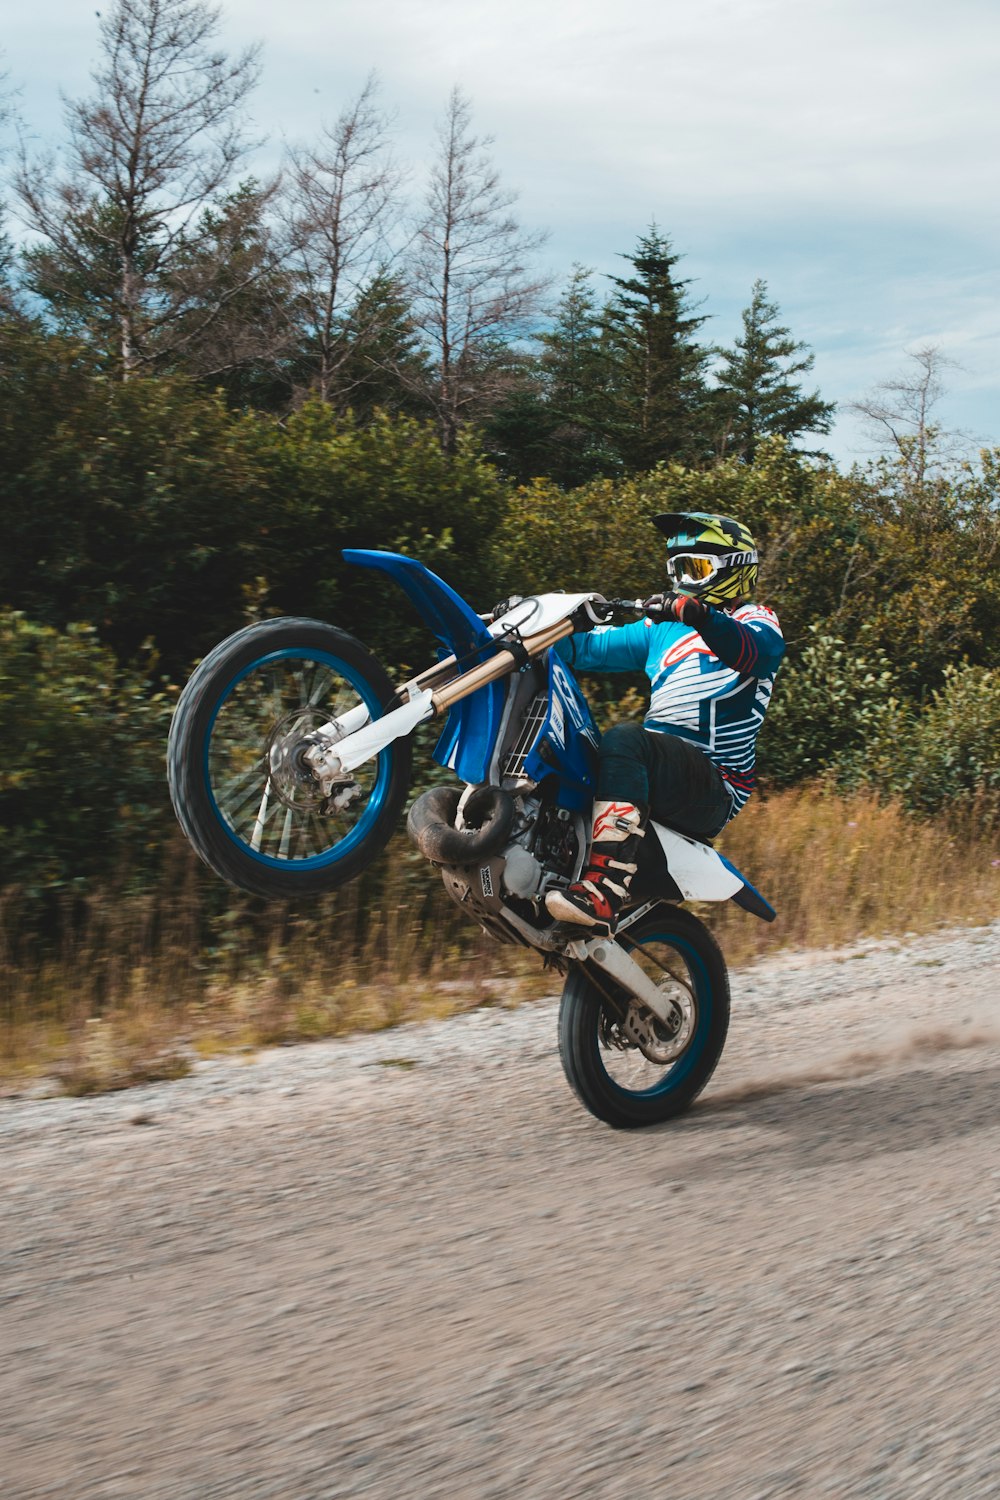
x,y
838,869
133,989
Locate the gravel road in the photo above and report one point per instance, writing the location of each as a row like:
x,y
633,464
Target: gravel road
x,y
410,1265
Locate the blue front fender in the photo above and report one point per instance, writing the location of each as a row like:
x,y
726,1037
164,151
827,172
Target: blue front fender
x,y
469,735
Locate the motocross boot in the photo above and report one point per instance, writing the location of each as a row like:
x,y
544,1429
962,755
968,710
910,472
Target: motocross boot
x,y
596,899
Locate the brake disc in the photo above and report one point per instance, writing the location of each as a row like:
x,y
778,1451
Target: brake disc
x,y
293,780
657,1040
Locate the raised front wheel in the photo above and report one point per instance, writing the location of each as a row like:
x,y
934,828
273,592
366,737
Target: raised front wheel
x,y
240,784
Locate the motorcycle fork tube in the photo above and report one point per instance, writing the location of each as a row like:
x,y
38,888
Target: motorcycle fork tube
x,y
442,671
498,666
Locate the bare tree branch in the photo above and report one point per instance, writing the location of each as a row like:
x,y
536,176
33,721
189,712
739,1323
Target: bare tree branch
x,y
898,413
7,294
157,143
342,202
471,277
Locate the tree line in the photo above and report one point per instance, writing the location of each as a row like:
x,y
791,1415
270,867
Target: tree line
x,y
144,520
152,245
212,386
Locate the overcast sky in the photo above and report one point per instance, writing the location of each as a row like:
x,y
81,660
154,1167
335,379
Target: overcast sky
x,y
847,151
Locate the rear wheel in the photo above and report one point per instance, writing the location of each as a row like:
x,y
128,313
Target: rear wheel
x,y
242,791
624,1065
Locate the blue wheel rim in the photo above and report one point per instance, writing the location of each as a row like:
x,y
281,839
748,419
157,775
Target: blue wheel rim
x,y
383,765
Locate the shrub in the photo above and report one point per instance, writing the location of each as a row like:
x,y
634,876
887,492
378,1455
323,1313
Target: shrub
x,y
948,754
830,700
82,787
151,510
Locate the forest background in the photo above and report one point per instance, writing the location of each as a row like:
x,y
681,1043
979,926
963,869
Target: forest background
x,y
211,384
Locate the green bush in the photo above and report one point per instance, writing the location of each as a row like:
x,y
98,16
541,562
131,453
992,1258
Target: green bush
x,y
151,510
857,555
82,788
600,536
829,701
947,754
326,483
840,713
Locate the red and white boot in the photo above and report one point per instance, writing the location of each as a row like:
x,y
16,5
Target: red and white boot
x,y
596,899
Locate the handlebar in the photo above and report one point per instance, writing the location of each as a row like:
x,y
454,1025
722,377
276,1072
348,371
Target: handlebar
x,y
601,609
636,606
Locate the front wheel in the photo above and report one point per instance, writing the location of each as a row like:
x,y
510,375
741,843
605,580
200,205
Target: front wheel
x,y
240,787
621,1062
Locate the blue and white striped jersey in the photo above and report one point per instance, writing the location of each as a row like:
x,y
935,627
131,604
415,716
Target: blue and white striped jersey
x,y
710,686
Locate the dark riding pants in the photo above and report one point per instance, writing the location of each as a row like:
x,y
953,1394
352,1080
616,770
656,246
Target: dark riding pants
x,y
676,780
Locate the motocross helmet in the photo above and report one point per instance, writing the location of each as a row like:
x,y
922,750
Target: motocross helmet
x,y
711,558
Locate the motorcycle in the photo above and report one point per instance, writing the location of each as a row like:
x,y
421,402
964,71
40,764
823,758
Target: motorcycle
x,y
289,763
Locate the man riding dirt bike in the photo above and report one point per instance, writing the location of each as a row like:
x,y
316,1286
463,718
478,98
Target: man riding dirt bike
x,y
711,662
289,764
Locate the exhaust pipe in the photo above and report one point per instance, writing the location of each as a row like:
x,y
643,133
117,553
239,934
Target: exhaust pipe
x,y
488,816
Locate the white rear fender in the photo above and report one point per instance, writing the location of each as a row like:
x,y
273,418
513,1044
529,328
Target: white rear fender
x,y
699,872
702,874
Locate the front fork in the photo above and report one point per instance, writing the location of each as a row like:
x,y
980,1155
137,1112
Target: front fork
x,y
346,743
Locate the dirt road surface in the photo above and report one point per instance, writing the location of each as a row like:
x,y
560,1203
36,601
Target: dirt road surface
x,y
324,1272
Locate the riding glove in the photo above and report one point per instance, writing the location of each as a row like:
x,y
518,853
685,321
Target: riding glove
x,y
677,607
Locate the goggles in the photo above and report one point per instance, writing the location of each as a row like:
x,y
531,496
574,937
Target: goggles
x,y
693,567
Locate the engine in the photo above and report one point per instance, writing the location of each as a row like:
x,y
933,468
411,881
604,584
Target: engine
x,y
497,850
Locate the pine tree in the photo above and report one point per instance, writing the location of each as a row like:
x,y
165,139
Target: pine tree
x,y
571,360
575,370
79,288
384,366
553,421
519,434
659,398
757,392
234,303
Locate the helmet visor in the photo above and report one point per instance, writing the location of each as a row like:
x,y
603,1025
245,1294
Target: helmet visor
x,y
696,569
689,568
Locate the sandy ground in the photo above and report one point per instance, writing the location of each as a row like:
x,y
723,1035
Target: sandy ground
x,y
411,1265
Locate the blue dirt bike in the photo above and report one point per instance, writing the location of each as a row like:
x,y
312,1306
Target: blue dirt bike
x,y
289,765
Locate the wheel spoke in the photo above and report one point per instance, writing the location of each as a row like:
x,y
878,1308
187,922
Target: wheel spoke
x,y
232,807
261,785
319,687
258,827
233,785
285,834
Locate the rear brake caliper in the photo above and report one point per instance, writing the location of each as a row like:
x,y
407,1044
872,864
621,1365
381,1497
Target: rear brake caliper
x,y
660,1041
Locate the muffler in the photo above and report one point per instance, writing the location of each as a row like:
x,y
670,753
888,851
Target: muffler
x,y
488,817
